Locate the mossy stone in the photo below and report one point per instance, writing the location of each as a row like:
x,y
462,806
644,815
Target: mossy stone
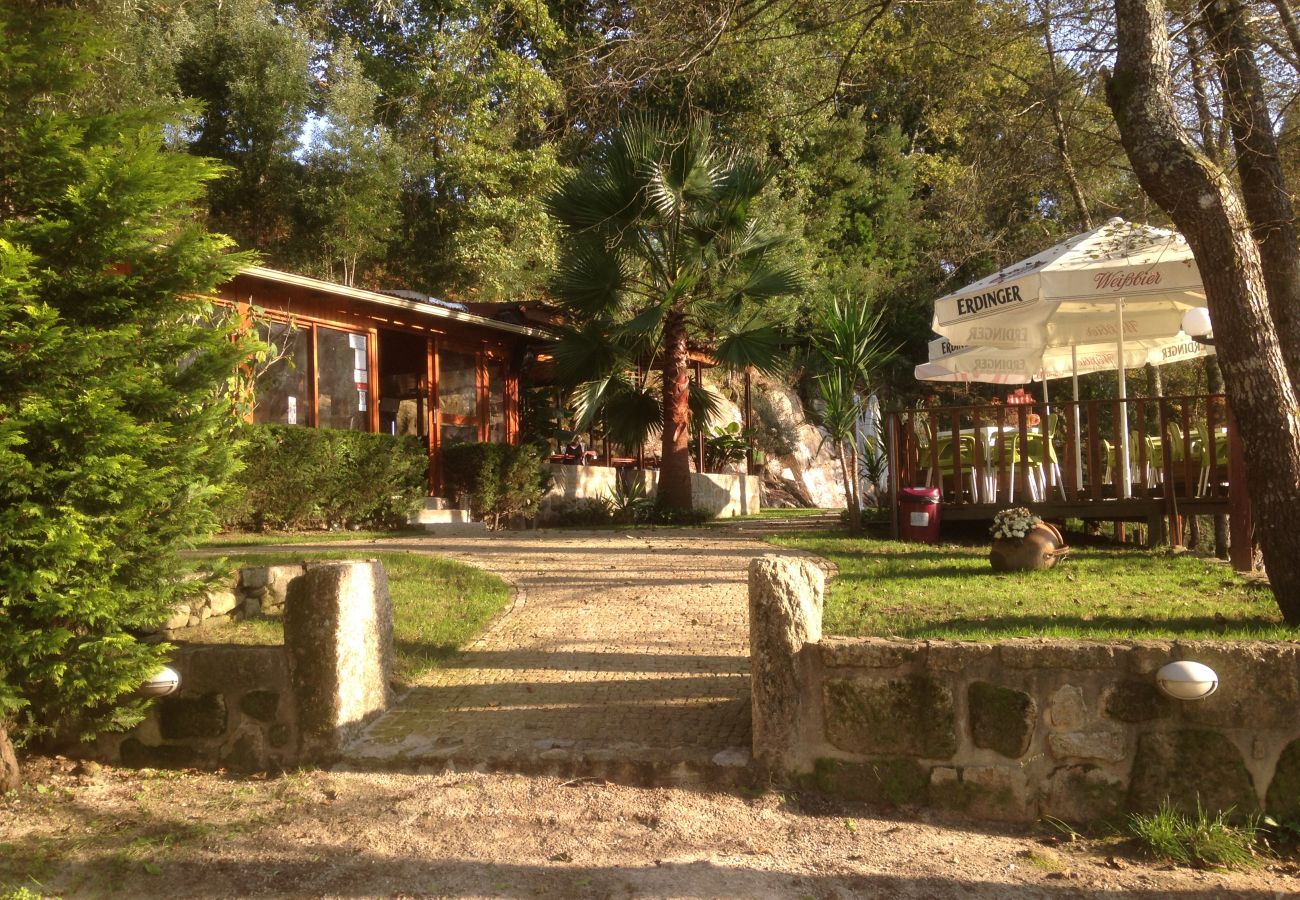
x,y
1188,767
1134,700
1283,797
1001,718
911,716
260,705
184,718
894,781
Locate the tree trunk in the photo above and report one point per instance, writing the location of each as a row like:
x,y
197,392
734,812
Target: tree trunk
x,y
11,778
675,470
1199,198
1214,385
1058,122
1263,185
849,462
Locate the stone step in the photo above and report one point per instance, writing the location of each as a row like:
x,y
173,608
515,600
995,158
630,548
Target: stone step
x,y
579,760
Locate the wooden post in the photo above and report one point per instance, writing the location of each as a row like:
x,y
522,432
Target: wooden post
x,y
1240,526
749,425
432,413
895,462
699,437
372,384
1175,530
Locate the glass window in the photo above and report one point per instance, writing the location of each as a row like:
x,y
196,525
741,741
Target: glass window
x,y
459,434
496,401
458,385
281,393
343,382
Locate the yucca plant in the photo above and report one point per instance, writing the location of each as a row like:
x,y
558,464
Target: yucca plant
x,y
853,344
664,245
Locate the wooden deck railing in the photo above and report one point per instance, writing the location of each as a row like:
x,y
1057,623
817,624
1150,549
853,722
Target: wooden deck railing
x,y
1183,456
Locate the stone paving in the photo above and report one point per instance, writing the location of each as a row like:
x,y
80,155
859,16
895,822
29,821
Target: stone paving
x,y
620,648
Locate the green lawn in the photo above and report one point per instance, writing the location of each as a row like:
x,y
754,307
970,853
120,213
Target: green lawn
x,y
438,605
246,539
792,512
892,589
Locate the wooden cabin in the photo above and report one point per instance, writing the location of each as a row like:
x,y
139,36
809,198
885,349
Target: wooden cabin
x,y
395,362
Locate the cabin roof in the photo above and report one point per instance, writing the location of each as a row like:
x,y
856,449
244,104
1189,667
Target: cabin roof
x,y
392,300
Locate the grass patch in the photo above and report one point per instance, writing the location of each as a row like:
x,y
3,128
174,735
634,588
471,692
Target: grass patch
x,y
792,512
1200,840
438,605
248,539
893,589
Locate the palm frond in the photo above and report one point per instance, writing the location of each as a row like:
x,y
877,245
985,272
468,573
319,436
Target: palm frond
x,y
705,404
770,279
587,352
630,413
757,345
591,279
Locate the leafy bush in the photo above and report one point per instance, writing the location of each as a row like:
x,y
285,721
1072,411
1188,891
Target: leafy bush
x,y
1200,840
498,481
300,478
725,445
577,512
629,502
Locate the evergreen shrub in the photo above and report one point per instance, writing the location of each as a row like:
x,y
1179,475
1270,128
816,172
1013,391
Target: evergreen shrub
x,y
297,478
119,408
498,481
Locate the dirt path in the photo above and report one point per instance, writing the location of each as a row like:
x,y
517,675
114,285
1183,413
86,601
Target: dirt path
x,y
623,649
312,834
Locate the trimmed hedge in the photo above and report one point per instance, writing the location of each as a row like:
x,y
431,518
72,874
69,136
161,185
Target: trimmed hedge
x,y
498,481
297,478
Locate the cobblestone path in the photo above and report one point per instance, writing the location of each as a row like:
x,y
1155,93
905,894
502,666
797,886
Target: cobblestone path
x,y
621,648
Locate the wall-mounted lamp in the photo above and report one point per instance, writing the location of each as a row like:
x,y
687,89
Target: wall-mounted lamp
x,y
1187,680
1197,325
163,682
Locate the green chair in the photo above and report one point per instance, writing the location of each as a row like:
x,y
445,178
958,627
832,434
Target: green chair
x,y
1039,454
947,464
1219,457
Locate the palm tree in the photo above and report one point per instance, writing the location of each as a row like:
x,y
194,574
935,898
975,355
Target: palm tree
x,y
663,245
853,344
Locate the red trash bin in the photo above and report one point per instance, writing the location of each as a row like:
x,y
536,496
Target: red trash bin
x,y
918,515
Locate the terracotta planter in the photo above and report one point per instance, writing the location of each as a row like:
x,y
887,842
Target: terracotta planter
x,y
1040,549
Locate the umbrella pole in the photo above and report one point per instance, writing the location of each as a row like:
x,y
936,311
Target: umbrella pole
x,y
1126,482
1078,440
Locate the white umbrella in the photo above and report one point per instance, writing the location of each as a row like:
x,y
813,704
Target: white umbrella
x,y
1121,284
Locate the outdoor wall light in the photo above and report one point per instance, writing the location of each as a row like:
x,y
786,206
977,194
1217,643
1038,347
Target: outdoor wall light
x,y
1187,680
163,682
1197,325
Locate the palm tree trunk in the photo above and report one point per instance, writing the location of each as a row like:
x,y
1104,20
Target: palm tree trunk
x,y
675,470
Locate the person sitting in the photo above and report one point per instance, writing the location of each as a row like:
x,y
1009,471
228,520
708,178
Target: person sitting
x,y
576,453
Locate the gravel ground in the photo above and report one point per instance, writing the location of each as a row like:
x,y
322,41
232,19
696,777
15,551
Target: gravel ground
x,y
96,831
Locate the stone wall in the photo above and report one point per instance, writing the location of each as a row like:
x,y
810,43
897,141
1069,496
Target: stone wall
x,y
269,707
234,710
722,495
252,591
1022,729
